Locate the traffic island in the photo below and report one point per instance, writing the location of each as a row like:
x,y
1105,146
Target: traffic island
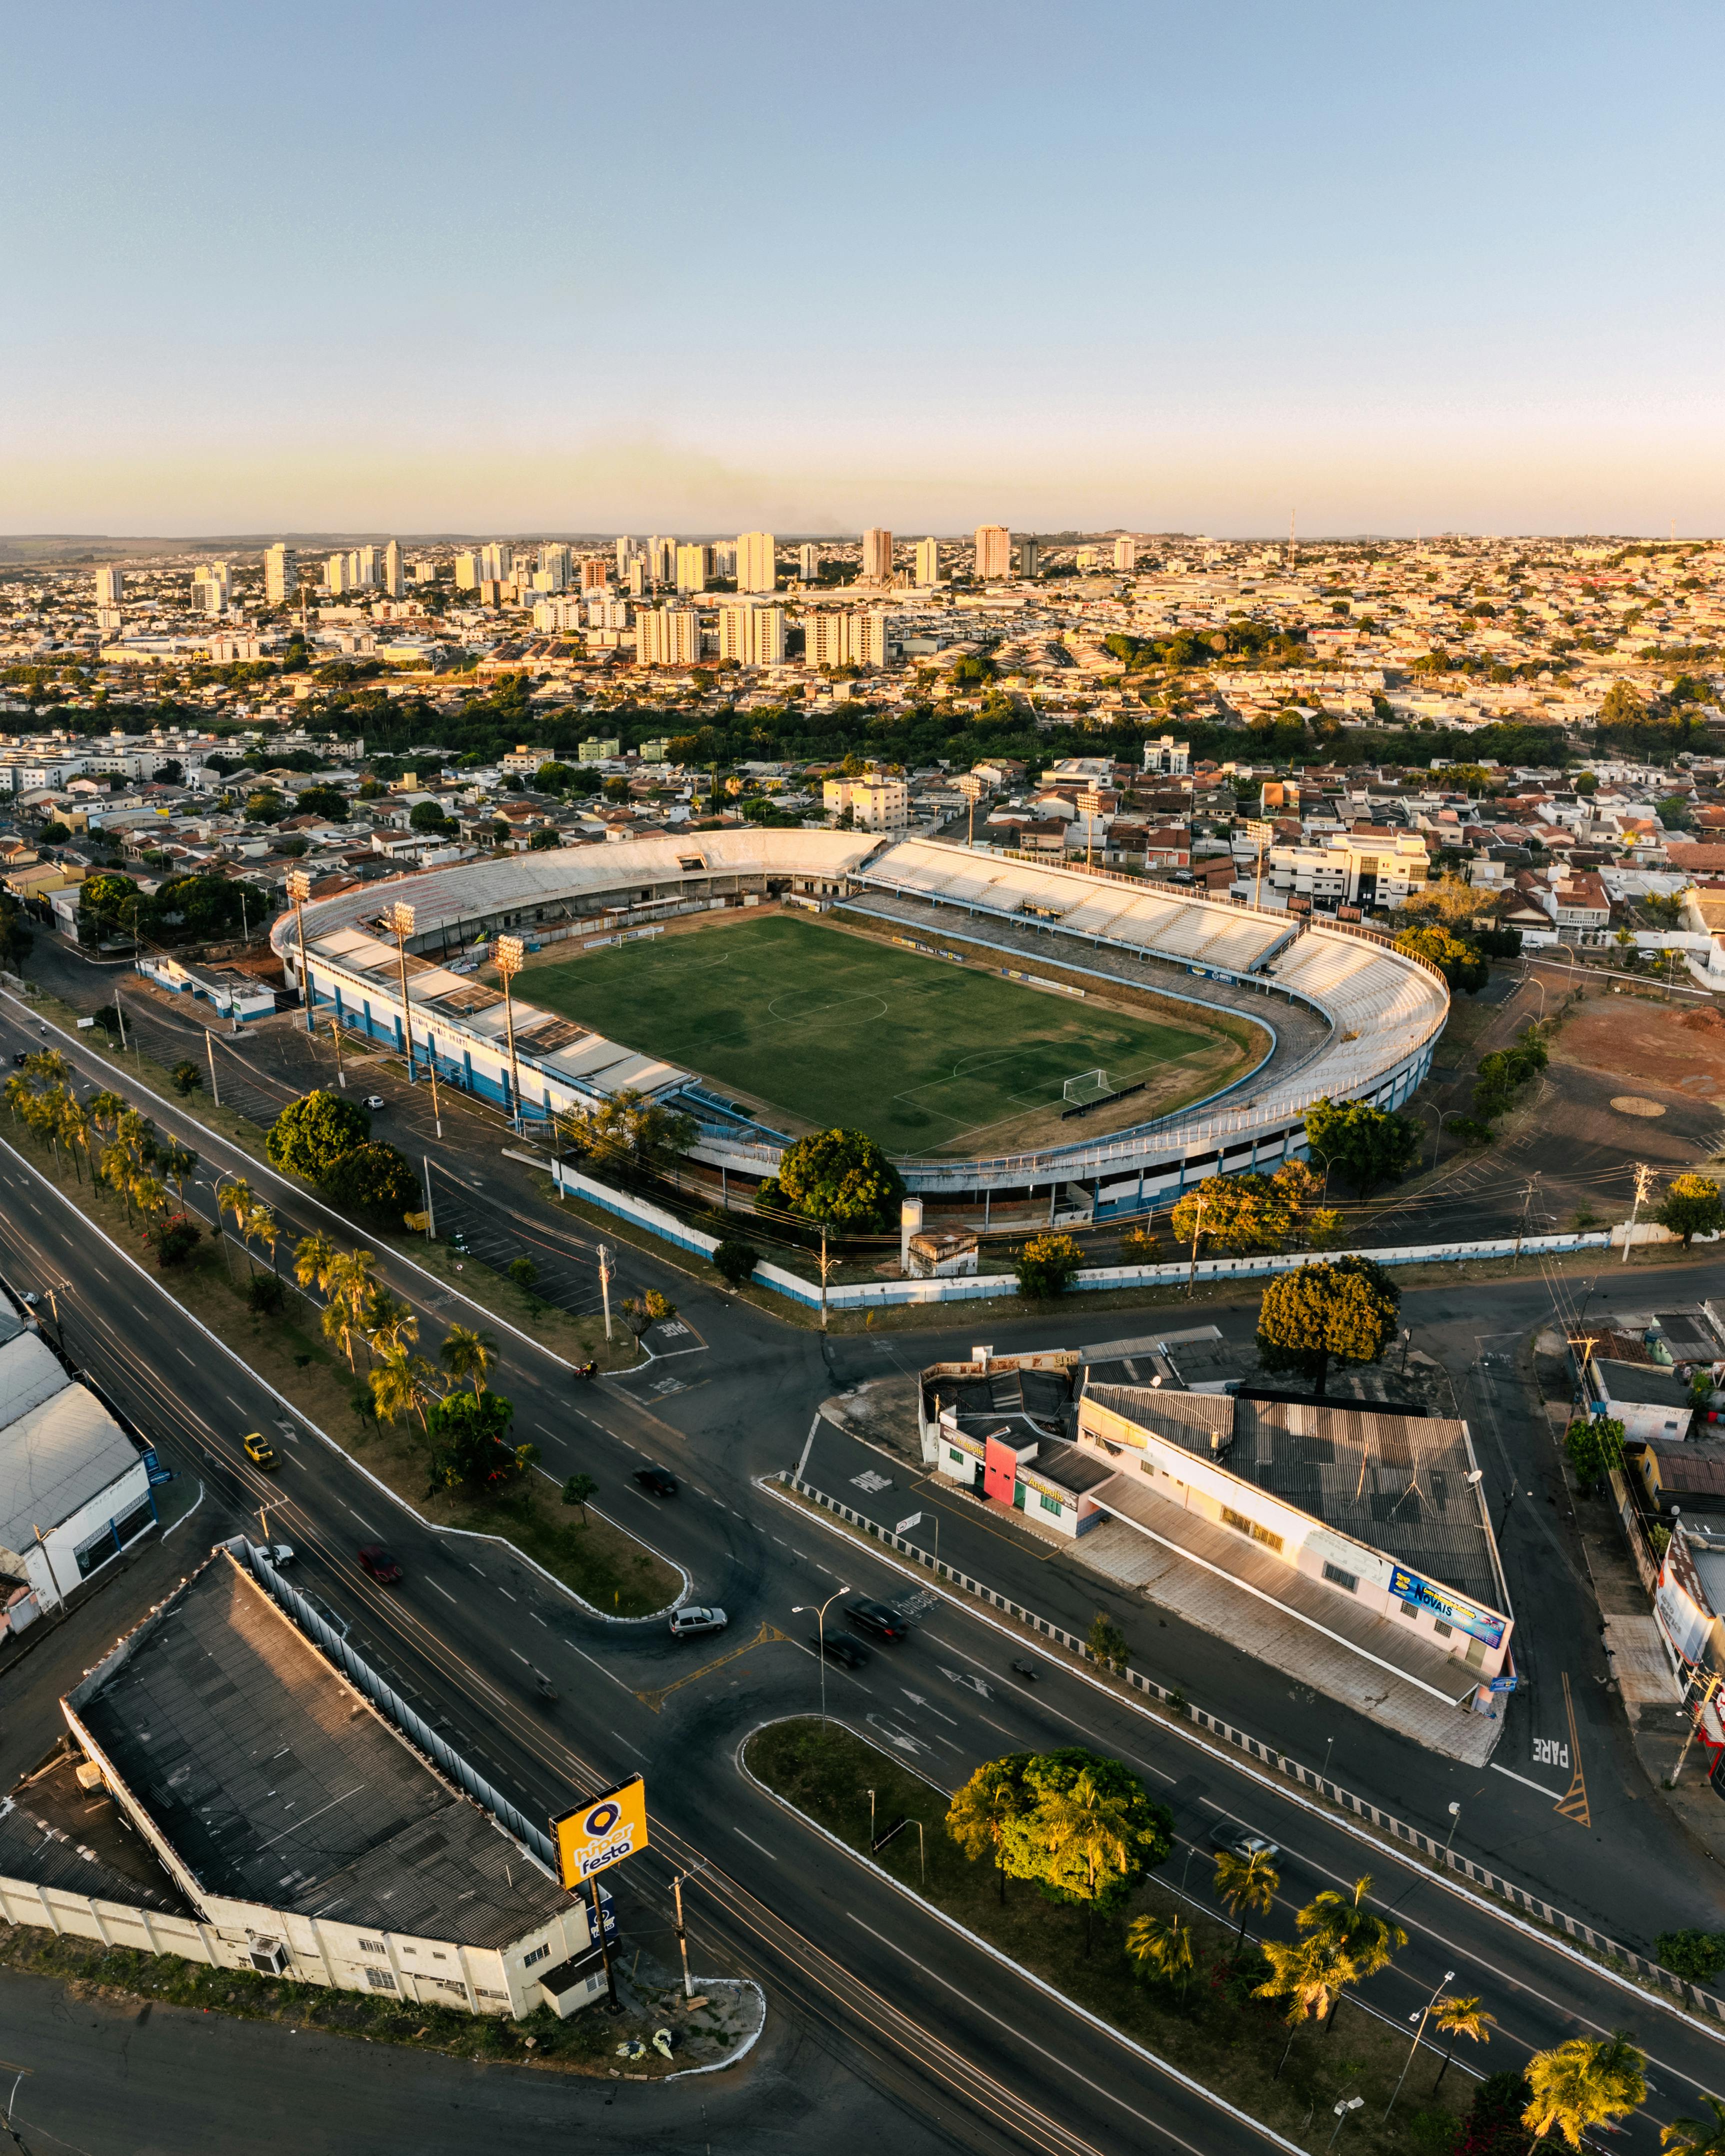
x,y
1207,2024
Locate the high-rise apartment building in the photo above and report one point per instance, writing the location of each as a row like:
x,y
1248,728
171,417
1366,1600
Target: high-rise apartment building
x,y
212,588
808,564
757,561
335,575
604,611
876,557
1126,556
638,578
496,563
993,552
395,581
878,801
1030,557
695,567
627,549
281,574
555,564
367,569
928,561
753,635
553,615
661,559
467,573
109,587
593,575
667,636
834,638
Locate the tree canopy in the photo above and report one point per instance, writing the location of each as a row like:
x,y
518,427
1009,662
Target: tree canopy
x,y
1368,1146
312,1133
1046,1266
1078,1823
1460,962
1691,1206
1344,1312
469,1435
1242,1213
840,1177
375,1180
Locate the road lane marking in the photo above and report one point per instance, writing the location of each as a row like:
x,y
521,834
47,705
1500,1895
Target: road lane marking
x,y
518,1657
365,1523
600,1667
1526,1784
640,1754
760,1845
442,1591
505,1594
537,1619
472,1566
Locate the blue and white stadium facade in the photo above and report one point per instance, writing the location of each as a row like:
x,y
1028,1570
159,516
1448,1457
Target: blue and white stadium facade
x,y
1347,1016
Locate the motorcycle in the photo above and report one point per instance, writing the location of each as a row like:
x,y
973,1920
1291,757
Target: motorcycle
x,y
587,1369
545,1689
1026,1670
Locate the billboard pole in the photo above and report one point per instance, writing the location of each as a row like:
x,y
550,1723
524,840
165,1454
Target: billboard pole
x,y
613,2003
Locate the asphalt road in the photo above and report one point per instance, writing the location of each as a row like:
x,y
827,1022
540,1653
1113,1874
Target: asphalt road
x,y
912,2019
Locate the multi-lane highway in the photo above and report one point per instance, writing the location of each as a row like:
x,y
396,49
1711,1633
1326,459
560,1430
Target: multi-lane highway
x,y
925,2039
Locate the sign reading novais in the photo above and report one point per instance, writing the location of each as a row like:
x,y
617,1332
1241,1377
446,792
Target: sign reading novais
x,y
601,1831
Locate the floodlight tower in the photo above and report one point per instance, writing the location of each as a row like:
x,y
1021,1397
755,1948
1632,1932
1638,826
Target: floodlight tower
x,y
400,920
508,955
299,890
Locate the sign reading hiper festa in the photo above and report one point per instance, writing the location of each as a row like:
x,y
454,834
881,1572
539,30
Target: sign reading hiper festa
x,y
604,1831
1464,1616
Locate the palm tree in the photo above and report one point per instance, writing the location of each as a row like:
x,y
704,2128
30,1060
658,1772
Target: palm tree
x,y
1245,1883
1368,1940
391,1326
401,1384
235,1196
74,1129
117,1174
1310,1974
978,1816
467,1354
351,1289
148,1195
260,1223
1086,1824
1696,2137
1586,2082
178,1161
314,1257
104,1109
49,1067
1463,2017
1164,1944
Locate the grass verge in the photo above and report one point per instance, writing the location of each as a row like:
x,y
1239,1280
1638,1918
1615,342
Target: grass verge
x,y
603,1565
1211,2029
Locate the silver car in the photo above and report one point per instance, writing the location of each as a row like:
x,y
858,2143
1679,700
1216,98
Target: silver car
x,y
686,1623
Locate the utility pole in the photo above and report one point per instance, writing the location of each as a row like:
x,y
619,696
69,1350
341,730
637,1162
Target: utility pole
x,y
1644,1188
1710,1687
299,890
1197,1231
400,920
509,954
120,1014
605,1286
1529,1190
336,1036
826,1267
430,1216
209,1042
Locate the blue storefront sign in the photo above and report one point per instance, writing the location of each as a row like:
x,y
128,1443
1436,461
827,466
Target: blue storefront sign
x,y
154,1469
1478,1624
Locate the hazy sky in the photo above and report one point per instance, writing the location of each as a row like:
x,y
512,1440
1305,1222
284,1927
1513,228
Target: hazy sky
x,y
558,266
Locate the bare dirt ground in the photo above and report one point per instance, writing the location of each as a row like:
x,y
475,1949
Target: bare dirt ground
x,y
1675,1047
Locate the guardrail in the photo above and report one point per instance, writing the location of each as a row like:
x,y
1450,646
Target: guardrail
x,y
1610,1950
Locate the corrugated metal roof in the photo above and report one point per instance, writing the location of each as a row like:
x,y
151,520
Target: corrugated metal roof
x,y
30,1372
55,1459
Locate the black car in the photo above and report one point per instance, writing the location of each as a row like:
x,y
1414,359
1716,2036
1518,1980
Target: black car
x,y
1245,1842
876,1617
840,1647
657,1481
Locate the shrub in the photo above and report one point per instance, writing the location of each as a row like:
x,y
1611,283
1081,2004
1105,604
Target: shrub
x,y
312,1134
1696,1957
264,1292
175,1239
187,1078
1046,1266
735,1261
376,1180
523,1272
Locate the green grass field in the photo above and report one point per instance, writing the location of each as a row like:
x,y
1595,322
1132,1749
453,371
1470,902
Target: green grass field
x,y
829,1028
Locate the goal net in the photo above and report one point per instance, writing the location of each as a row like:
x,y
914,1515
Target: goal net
x,y
1088,1085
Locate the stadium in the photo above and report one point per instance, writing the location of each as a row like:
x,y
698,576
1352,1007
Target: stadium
x,y
1016,1035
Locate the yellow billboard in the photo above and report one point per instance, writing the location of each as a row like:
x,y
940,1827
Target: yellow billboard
x,y
601,1831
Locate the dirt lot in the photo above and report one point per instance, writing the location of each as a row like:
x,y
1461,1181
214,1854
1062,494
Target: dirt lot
x,y
1677,1047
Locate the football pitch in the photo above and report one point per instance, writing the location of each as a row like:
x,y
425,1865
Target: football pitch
x,y
828,1027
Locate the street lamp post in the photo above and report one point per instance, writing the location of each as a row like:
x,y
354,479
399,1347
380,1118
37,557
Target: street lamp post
x,y
299,890
1454,1820
1426,1108
400,918
508,954
1437,1989
820,1610
1348,2103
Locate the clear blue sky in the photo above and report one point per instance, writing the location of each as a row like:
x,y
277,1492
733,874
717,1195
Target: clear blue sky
x,y
687,267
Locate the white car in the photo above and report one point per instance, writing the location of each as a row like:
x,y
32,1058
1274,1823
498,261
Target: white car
x,y
275,1554
374,1102
685,1623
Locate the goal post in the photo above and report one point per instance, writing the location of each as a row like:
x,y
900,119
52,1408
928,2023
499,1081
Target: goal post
x,y
1087,1085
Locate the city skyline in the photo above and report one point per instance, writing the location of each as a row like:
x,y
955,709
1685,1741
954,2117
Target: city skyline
x,y
1328,266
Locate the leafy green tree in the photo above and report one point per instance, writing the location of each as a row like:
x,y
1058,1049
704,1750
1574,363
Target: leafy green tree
x,y
577,1490
467,1354
1368,1146
1696,2137
1046,1266
1164,1944
545,841
985,1806
1088,1831
840,1177
187,1078
1242,1213
15,937
105,906
1460,962
1594,1449
1246,1883
637,1137
1691,1206
312,1133
1695,1956
1341,1311
328,802
523,1272
553,778
375,1181
426,816
735,1261
1493,2125
470,1436
1107,1642
1587,2082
